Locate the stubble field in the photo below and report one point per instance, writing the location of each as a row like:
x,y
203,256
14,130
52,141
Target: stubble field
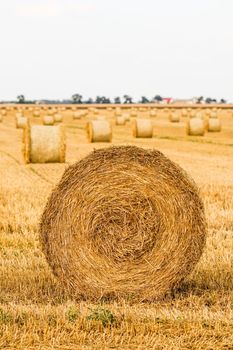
x,y
36,313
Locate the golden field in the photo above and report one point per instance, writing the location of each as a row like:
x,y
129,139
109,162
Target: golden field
x,y
36,313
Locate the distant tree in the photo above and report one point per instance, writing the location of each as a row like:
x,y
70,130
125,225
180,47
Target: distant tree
x,y
223,100
144,100
90,101
98,99
106,100
158,98
21,99
200,99
208,100
76,98
127,99
117,100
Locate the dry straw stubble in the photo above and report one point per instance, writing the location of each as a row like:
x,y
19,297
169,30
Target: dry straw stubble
x,y
123,222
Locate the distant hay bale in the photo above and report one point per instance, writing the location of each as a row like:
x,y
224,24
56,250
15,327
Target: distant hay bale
x,y
213,115
21,122
142,128
123,222
174,117
214,125
77,115
196,127
134,113
84,112
126,116
1,118
51,112
118,112
153,113
184,112
99,131
44,144
36,114
100,117
48,120
120,120
58,118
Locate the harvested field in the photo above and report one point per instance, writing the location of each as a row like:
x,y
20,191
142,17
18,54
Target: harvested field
x,y
35,311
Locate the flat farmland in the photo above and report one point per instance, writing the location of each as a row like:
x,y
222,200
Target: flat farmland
x,y
35,311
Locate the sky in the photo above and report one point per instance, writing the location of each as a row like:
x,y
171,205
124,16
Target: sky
x,y
174,48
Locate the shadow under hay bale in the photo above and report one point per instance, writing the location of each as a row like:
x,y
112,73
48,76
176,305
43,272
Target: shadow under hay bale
x,y
123,222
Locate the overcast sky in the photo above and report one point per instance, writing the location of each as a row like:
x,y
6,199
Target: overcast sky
x,y
55,48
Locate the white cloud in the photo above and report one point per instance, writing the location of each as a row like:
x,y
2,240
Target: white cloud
x,y
53,8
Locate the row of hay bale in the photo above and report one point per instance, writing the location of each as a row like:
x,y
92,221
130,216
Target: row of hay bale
x,y
47,143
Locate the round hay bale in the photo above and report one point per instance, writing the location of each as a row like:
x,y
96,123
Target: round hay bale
x,y
126,116
174,117
51,112
36,114
134,113
153,113
142,128
77,115
213,115
48,120
123,222
214,125
120,120
99,131
118,112
21,122
196,127
44,144
100,117
1,118
58,118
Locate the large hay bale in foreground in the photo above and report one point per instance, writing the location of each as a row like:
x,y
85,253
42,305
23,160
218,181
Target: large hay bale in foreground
x,y
44,144
142,128
123,222
99,131
196,127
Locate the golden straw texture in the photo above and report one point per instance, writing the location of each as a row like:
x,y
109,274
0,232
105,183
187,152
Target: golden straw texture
x,y
123,222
